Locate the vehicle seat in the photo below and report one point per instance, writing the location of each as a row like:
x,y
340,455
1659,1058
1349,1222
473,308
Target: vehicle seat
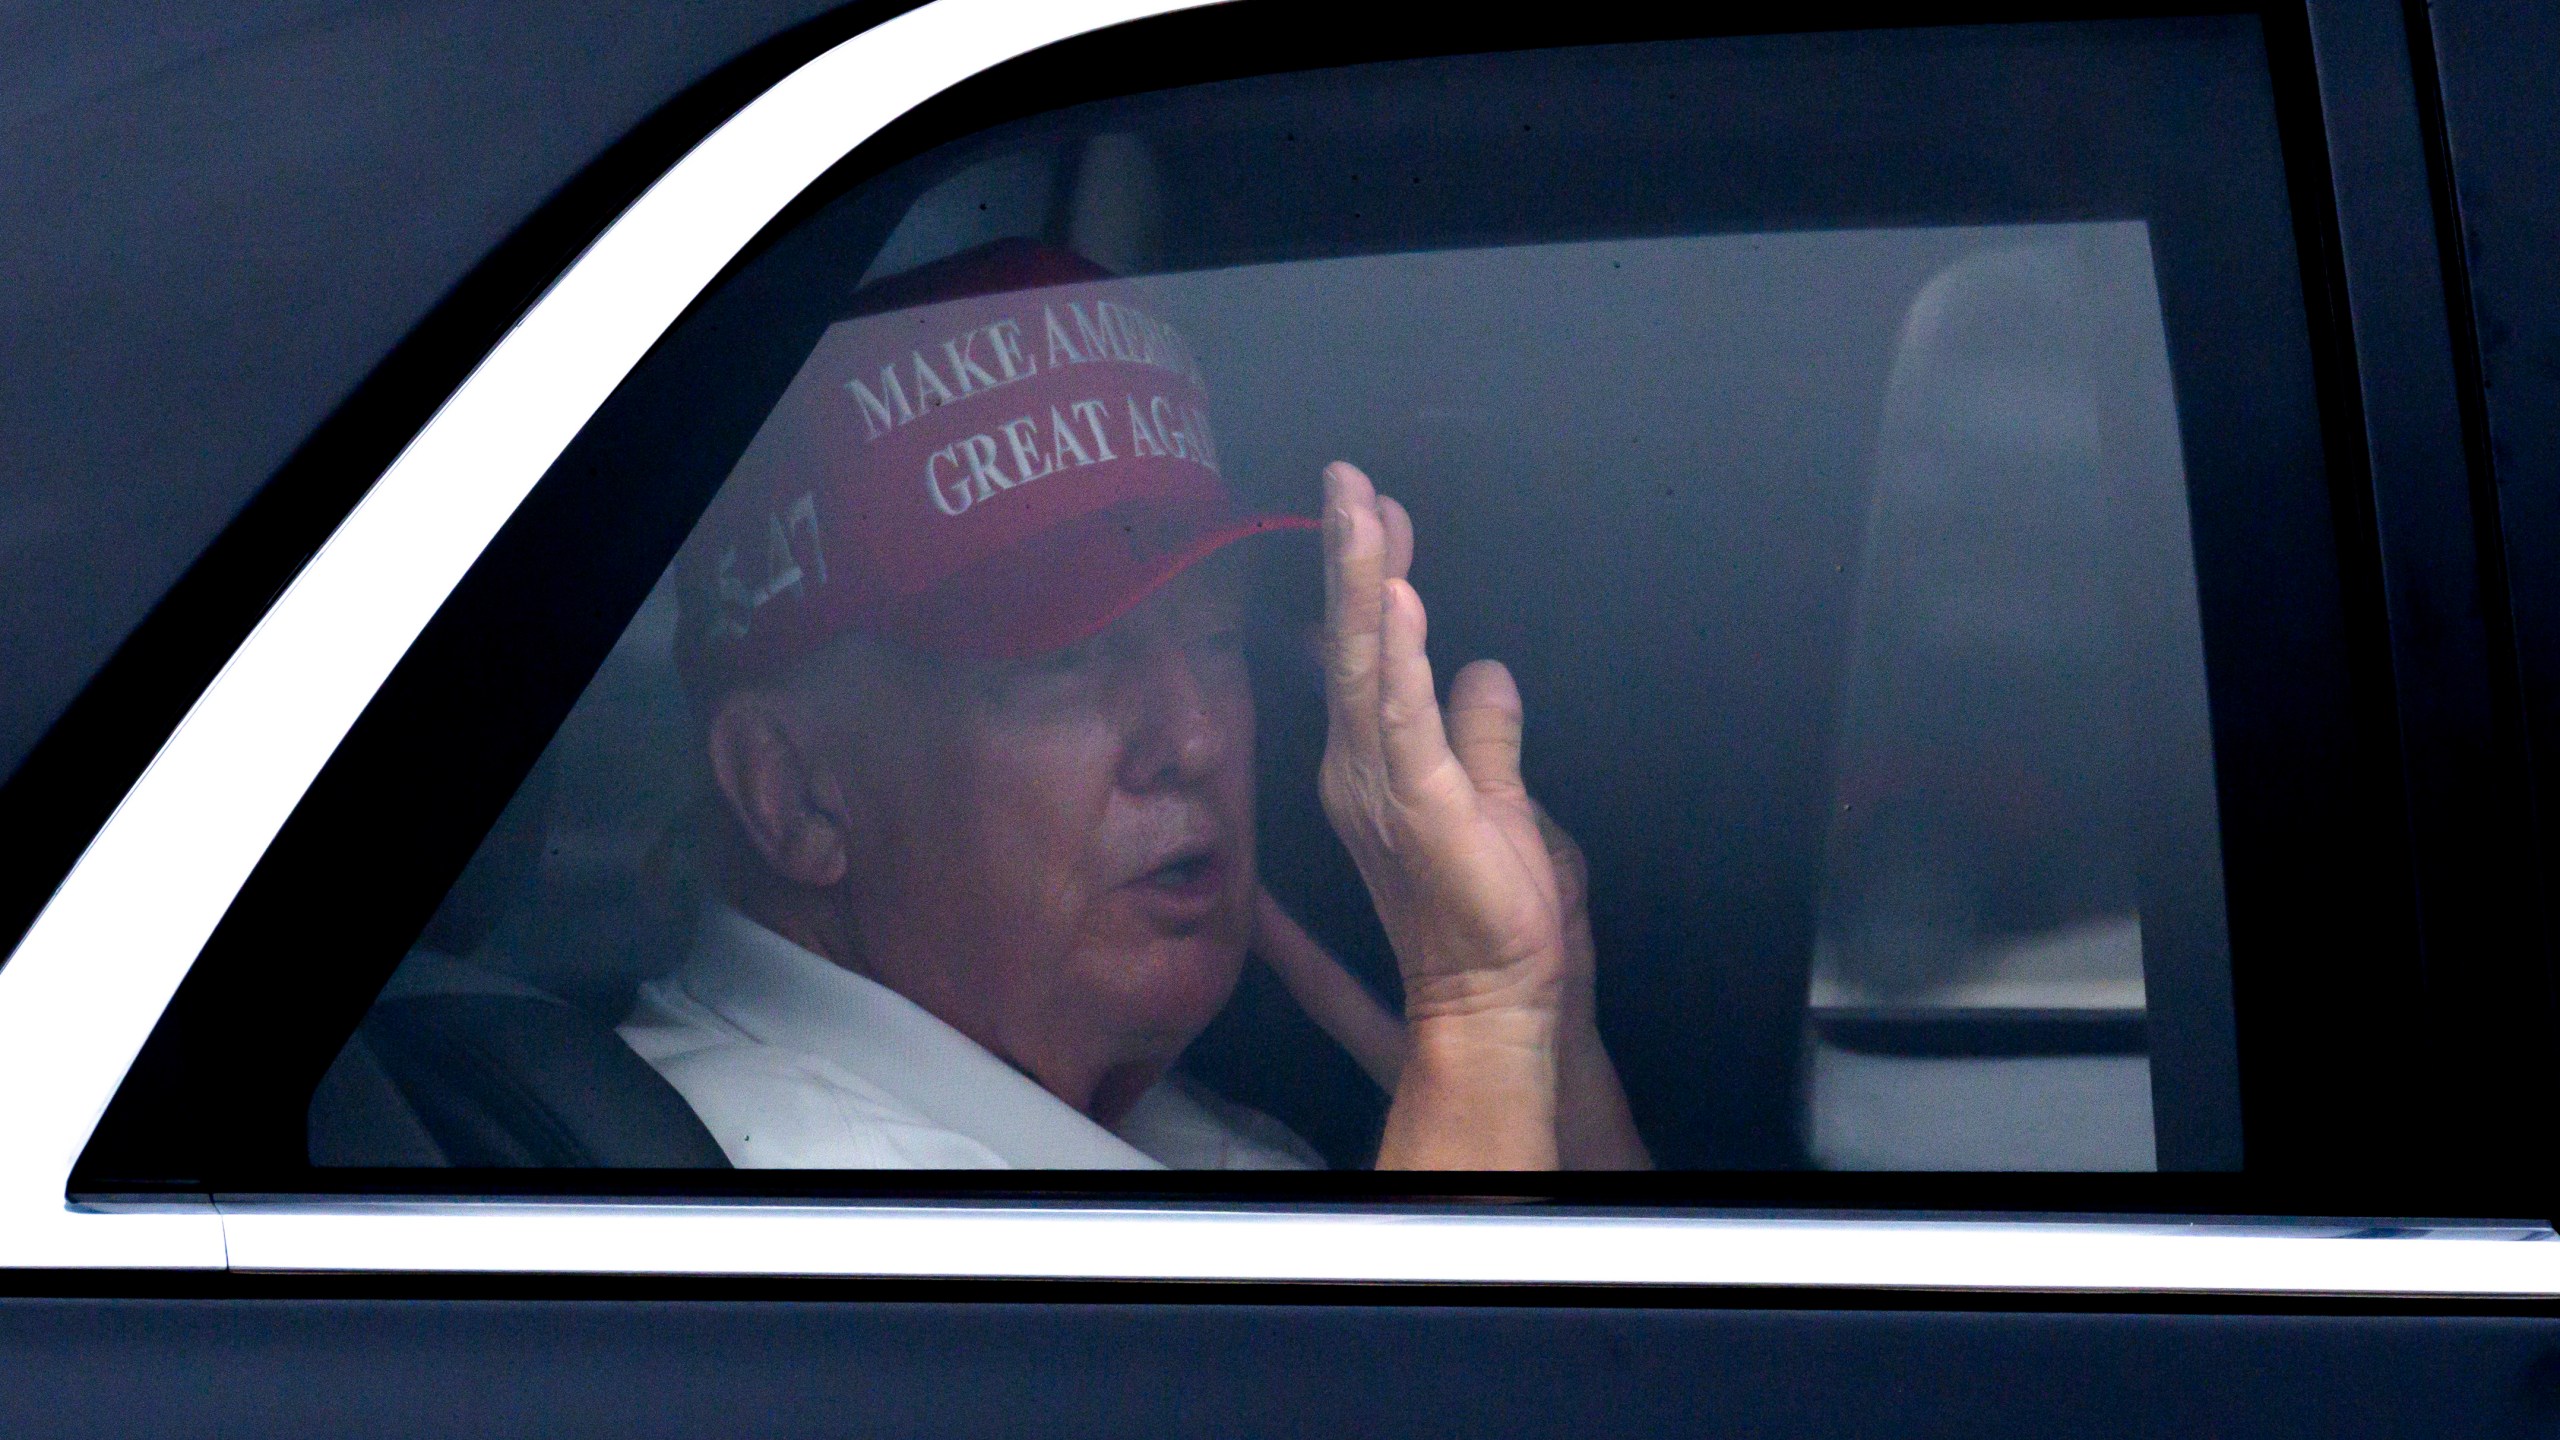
x,y
458,1066
508,1057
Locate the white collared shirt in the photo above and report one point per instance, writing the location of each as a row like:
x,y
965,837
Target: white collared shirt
x,y
794,1062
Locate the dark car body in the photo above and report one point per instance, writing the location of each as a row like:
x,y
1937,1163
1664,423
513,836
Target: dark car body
x,y
254,252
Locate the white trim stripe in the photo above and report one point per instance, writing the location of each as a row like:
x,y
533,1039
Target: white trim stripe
x,y
1395,1247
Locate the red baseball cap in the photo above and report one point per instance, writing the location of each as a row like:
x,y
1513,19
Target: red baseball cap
x,y
1005,452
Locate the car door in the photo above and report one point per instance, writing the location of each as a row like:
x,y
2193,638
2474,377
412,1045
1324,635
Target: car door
x,y
1982,516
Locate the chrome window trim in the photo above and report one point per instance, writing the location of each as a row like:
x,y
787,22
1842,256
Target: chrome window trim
x,y
94,973
1393,1246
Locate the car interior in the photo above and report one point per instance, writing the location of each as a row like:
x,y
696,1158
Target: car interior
x,y
1932,548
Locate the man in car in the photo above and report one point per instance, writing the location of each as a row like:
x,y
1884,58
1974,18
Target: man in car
x,y
965,627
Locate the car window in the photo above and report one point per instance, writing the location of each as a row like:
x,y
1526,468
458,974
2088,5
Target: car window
x,y
892,738
1842,533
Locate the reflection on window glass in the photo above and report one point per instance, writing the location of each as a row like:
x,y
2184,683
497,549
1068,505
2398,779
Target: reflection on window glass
x,y
954,801
1978,983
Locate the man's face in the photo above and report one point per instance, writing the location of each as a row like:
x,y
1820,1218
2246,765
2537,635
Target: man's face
x,y
1056,856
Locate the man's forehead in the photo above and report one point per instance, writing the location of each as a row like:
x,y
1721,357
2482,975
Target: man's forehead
x,y
1221,579
1216,589
1211,592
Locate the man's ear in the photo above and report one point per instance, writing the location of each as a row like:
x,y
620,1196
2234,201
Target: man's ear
x,y
786,801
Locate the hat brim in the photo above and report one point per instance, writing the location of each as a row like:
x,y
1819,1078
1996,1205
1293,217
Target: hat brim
x,y
1070,583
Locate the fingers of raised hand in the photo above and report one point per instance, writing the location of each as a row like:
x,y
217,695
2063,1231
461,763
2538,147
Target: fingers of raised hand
x,y
1573,898
1485,725
1573,872
1355,573
1399,528
1414,745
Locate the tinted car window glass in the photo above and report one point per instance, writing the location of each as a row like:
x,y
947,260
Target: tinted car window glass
x,y
1847,489
1891,516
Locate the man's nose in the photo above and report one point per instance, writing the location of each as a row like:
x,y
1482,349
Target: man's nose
x,y
1177,731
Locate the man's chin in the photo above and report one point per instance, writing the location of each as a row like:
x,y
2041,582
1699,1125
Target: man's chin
x,y
1174,987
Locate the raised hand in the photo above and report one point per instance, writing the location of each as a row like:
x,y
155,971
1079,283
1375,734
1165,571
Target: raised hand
x,y
1594,1130
1371,1034
1448,841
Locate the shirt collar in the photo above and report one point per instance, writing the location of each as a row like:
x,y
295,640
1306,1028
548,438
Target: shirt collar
x,y
785,995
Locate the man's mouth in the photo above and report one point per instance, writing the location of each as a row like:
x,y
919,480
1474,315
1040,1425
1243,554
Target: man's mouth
x,y
1194,872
